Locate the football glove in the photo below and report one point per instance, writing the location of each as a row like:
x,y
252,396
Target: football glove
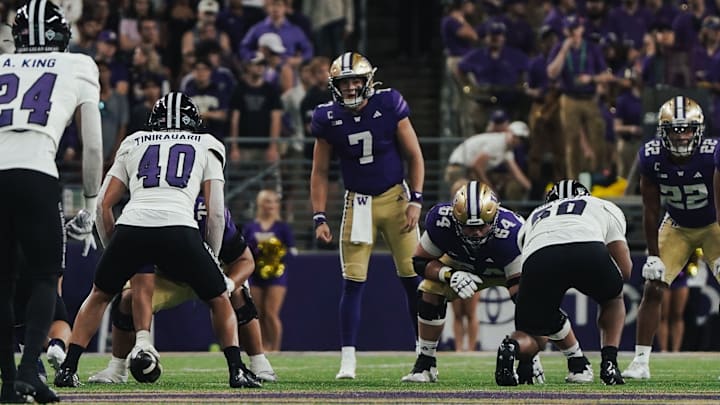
x,y
653,269
81,228
464,284
143,348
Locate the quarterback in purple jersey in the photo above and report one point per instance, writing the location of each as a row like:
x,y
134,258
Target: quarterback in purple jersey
x,y
370,132
676,170
467,245
238,264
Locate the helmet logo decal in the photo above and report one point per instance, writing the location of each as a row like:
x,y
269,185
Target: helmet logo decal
x,y
50,35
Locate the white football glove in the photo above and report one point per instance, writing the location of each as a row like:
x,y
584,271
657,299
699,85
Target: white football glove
x,y
81,228
464,284
653,269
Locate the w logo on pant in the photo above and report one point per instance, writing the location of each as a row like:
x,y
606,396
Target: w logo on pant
x,y
362,200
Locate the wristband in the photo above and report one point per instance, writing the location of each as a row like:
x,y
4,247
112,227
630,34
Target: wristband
x,y
444,273
319,218
416,196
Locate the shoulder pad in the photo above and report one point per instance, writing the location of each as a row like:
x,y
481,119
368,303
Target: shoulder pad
x,y
214,146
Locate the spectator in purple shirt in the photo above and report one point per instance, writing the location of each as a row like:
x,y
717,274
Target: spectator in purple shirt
x,y
556,15
661,10
628,124
579,65
232,21
630,22
210,100
107,52
664,65
597,25
687,25
495,72
707,50
297,46
520,34
458,36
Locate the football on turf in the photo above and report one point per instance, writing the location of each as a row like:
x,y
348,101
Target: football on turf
x,y
145,367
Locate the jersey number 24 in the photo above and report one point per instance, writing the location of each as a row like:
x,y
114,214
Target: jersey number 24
x,y
36,98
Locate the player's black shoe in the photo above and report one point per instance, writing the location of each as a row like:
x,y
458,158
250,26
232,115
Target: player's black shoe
x,y
241,377
28,383
8,395
609,373
525,372
66,378
505,367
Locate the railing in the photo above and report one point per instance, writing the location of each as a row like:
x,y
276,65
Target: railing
x,y
291,177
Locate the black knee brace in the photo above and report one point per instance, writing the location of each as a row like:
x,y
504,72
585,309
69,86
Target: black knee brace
x,y
247,312
430,312
120,320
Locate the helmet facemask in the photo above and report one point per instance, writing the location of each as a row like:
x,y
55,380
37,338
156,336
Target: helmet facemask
x,y
681,139
471,241
363,92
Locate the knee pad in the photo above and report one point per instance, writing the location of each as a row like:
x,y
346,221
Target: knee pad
x,y
60,310
563,331
247,312
119,320
431,314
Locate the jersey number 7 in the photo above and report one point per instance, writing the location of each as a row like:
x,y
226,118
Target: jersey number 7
x,y
36,98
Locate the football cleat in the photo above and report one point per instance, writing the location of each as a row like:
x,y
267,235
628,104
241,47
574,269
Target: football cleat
x,y
262,369
241,377
8,395
637,371
579,370
347,367
66,378
266,375
424,371
28,383
505,374
55,355
609,373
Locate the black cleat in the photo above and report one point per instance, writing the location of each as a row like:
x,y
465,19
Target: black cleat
x,y
505,367
8,395
66,378
609,373
28,383
525,372
242,377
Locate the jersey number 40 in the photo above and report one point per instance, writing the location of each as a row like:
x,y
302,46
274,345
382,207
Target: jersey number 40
x,y
36,98
180,161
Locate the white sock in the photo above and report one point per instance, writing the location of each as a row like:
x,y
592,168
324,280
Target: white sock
x,y
573,351
428,347
259,362
118,364
142,338
642,354
348,352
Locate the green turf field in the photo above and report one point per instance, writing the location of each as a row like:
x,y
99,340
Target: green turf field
x,y
464,378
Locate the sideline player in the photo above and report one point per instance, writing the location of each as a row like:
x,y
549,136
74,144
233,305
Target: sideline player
x,y
576,241
43,87
370,132
164,170
238,266
467,245
676,173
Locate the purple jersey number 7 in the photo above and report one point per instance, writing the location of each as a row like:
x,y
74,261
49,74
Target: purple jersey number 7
x,y
149,168
36,98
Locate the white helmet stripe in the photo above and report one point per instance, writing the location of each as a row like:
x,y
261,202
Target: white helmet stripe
x,y
168,109
680,107
41,22
472,197
178,99
568,189
31,22
347,61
